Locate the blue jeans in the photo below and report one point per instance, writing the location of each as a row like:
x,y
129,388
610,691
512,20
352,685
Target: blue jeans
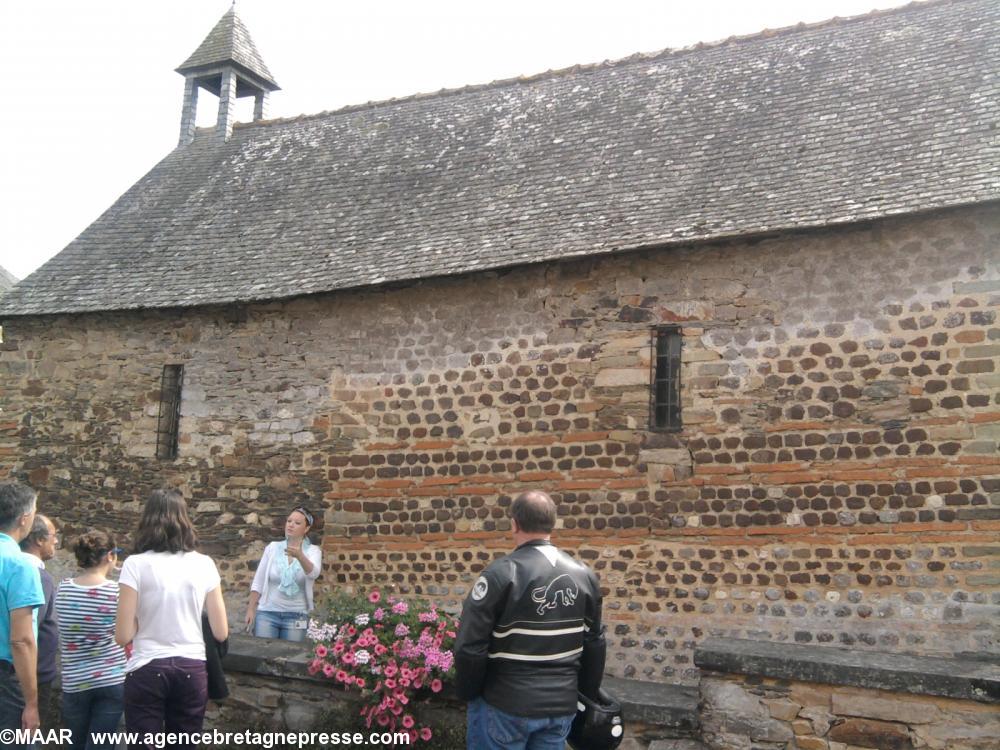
x,y
490,728
280,625
11,702
95,710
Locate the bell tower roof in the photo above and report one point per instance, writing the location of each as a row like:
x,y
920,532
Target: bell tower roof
x,y
229,44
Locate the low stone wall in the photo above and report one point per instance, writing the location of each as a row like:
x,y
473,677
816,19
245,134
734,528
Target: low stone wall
x,y
758,696
752,696
270,690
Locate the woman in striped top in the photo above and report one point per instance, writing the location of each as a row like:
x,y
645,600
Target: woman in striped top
x,y
93,665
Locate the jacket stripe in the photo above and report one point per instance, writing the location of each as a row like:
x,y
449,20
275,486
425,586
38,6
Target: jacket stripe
x,y
533,657
528,631
543,623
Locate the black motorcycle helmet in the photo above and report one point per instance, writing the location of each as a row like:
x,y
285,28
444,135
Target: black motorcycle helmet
x,y
598,724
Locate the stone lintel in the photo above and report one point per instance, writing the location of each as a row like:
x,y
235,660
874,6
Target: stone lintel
x,y
247,84
959,678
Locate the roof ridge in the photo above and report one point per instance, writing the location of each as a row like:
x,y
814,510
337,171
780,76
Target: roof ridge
x,y
553,73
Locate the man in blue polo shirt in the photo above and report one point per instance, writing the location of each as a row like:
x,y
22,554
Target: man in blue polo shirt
x,y
20,597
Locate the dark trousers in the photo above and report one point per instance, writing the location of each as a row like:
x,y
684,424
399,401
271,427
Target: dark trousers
x,y
166,695
11,701
49,704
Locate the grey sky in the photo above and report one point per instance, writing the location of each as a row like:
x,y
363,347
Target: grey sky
x,y
91,101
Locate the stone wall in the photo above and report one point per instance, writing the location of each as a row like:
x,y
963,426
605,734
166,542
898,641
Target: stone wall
x,y
751,696
741,712
762,697
271,690
836,482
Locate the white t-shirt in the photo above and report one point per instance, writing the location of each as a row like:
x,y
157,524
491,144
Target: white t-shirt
x,y
172,589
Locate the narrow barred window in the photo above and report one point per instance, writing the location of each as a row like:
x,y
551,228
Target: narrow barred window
x,y
665,400
167,427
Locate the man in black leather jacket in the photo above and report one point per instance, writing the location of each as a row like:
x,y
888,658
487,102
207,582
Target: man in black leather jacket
x,y
530,637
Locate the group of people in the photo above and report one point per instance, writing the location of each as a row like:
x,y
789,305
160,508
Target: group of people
x,y
530,635
135,645
142,645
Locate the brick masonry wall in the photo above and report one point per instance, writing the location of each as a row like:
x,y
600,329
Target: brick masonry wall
x,y
837,480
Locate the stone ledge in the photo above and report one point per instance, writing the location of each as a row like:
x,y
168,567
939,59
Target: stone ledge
x,y
668,706
960,678
657,704
264,656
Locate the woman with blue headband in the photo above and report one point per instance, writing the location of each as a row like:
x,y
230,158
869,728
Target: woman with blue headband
x,y
281,595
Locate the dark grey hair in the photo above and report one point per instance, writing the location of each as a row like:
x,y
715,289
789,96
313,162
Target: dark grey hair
x,y
38,534
16,499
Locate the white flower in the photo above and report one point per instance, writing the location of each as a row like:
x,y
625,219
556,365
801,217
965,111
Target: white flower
x,y
361,656
321,631
361,619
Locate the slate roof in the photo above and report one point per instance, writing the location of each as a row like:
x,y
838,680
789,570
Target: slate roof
x,y
852,120
7,280
228,42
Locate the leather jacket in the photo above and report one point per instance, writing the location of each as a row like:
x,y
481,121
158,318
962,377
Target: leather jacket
x,y
530,634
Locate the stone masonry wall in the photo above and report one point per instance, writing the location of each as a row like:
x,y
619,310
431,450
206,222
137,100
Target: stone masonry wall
x,y
837,479
741,712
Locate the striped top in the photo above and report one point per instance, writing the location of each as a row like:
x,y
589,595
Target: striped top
x,y
90,656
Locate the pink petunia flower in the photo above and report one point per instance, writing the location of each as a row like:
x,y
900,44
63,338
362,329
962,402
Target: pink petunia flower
x,y
408,721
321,651
436,686
426,734
375,596
341,675
328,670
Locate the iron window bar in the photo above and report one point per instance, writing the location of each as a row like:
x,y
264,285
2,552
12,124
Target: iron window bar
x,y
665,375
168,424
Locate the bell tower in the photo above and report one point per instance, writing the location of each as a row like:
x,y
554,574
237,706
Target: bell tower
x,y
228,64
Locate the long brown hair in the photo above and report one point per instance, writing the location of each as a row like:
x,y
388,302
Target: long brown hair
x,y
165,525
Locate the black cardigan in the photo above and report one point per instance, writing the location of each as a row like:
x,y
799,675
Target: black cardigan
x,y
214,651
